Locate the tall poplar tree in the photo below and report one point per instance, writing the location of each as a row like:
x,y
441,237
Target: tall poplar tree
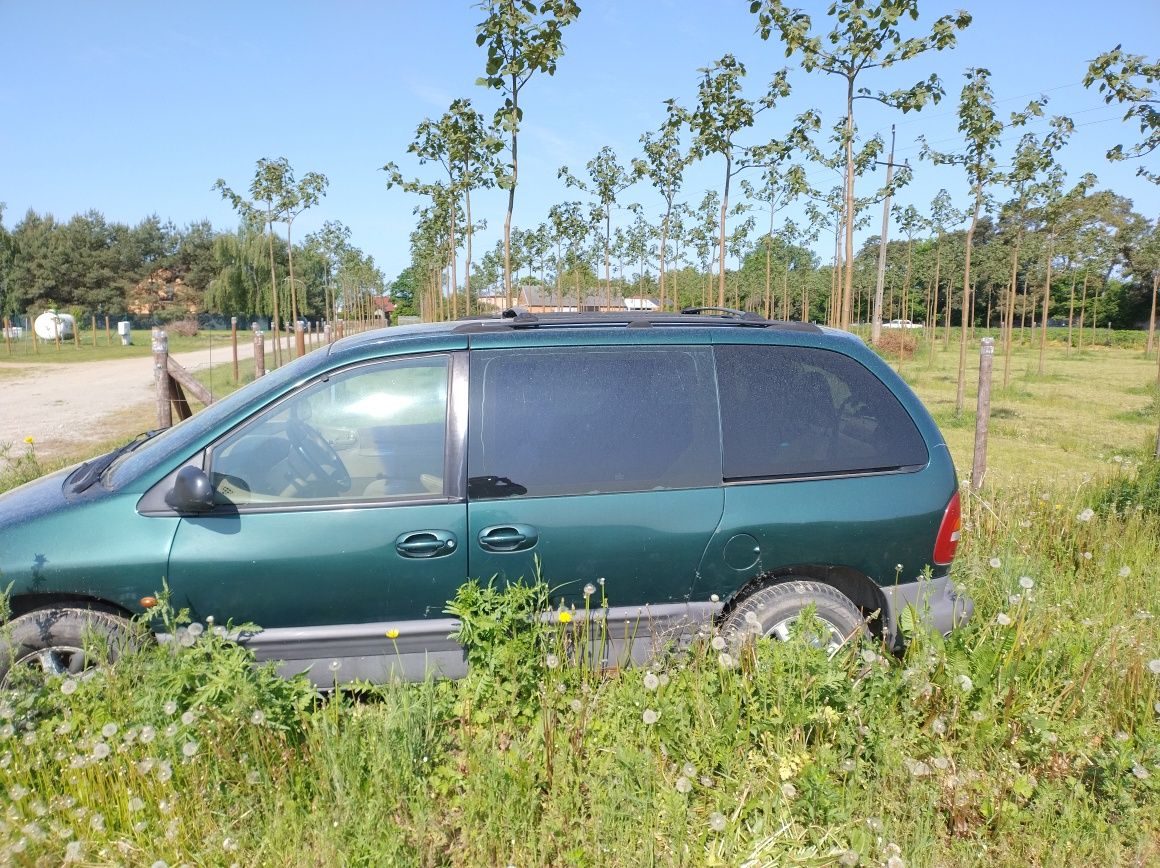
x,y
865,36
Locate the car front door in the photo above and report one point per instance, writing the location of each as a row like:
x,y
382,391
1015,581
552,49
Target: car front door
x,y
339,522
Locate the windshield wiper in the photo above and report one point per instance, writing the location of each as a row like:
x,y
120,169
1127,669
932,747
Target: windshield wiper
x,y
88,473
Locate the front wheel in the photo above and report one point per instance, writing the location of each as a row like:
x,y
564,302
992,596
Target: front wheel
x,y
60,641
773,611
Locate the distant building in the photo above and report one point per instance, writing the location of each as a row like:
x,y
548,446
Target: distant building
x,y
383,308
540,299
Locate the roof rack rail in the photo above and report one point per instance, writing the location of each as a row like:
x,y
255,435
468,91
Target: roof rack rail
x,y
743,315
520,317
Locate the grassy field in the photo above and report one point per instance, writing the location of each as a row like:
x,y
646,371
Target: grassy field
x,y
1031,737
43,352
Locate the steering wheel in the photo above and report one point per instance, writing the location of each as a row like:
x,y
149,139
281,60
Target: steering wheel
x,y
319,456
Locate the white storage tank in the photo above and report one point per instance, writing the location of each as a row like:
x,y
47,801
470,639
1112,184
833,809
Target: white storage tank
x,y
51,325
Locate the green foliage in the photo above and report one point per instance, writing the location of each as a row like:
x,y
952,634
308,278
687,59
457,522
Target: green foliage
x,y
1130,79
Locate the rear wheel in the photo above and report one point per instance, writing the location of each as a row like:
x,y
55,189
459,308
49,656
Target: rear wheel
x,y
60,641
775,610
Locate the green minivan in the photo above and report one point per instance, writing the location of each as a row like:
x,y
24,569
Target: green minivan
x,y
707,469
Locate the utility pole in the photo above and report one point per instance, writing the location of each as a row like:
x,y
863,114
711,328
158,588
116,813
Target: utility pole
x,y
876,327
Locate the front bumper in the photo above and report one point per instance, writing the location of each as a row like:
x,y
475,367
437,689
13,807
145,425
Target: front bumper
x,y
937,603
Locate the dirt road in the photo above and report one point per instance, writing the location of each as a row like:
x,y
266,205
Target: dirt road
x,y
65,406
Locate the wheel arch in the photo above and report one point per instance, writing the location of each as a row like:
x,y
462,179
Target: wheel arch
x,y
22,604
857,587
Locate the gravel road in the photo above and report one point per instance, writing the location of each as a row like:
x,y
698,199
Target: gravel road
x,y
64,406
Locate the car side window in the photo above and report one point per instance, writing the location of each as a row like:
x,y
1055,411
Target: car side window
x,y
590,420
799,411
371,433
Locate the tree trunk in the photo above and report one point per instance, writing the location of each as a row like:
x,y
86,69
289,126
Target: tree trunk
x,y
467,261
721,245
848,285
507,220
273,287
664,242
1046,305
966,306
1152,316
768,264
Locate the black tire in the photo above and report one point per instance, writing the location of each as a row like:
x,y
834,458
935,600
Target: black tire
x,y
61,641
772,610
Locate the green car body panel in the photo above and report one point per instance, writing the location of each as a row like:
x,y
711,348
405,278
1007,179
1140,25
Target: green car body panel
x,y
327,581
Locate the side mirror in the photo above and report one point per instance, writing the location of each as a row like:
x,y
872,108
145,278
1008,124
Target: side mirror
x,y
191,492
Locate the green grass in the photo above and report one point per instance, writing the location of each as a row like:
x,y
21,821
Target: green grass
x,y
42,352
1032,736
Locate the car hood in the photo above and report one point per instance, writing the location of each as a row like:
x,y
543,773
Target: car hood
x,y
33,499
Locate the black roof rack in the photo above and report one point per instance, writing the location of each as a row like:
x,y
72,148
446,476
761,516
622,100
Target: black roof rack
x,y
520,318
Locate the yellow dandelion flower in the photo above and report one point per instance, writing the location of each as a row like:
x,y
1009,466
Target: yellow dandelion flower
x,y
565,617
392,633
29,440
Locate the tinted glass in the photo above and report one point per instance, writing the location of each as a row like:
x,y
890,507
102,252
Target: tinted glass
x,y
588,420
795,411
376,432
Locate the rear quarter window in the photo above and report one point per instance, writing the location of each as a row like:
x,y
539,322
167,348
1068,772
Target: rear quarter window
x,y
801,411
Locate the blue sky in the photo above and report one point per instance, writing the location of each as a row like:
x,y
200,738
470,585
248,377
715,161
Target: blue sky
x,y
136,108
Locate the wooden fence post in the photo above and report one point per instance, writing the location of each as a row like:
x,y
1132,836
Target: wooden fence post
x,y
8,335
234,344
983,414
299,339
161,374
108,332
94,331
259,352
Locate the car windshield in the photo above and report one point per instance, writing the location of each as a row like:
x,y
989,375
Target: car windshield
x,y
169,443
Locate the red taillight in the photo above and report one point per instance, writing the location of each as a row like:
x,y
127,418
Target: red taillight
x,y
948,533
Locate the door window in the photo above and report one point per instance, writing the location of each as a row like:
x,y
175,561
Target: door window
x,y
591,420
798,411
371,433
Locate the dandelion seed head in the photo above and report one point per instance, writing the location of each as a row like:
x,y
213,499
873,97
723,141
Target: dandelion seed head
x,y
995,563
1125,571
1121,736
1140,772
725,659
195,629
1086,515
589,590
714,598
17,792
1087,556
651,682
97,822
684,785
847,766
717,821
186,639
334,665
938,726
1026,583
148,733
706,781
258,717
1003,619
941,763
73,851
552,661
136,804
100,750
254,777
7,731
663,678
751,618
689,770
561,688
895,862
109,730
1015,599
576,705
68,686
650,716
718,643
189,749
788,790
1154,666
965,684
